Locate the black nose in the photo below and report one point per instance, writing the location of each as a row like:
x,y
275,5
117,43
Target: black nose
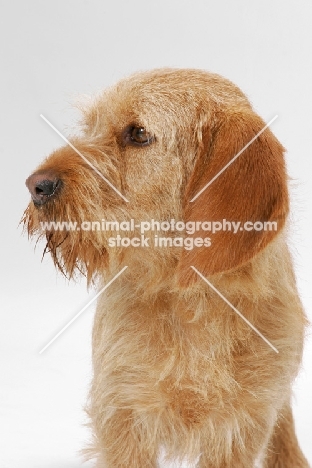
x,y
43,186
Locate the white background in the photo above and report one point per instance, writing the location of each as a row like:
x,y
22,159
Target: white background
x,y
50,53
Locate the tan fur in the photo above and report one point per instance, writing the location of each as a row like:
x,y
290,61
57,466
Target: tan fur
x,y
174,366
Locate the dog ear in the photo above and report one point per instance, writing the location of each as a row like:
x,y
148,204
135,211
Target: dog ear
x,y
252,188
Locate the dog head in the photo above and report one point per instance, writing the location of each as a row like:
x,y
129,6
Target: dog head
x,y
148,146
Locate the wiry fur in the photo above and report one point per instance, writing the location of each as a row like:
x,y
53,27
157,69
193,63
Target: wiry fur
x,y
174,366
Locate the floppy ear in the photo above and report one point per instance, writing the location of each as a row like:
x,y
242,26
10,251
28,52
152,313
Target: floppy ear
x,y
252,188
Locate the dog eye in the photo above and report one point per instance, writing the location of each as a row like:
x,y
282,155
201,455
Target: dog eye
x,y
137,136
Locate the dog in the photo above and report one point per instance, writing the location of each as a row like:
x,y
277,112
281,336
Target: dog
x,y
198,338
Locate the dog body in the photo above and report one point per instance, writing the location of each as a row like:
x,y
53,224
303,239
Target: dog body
x,y
175,366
